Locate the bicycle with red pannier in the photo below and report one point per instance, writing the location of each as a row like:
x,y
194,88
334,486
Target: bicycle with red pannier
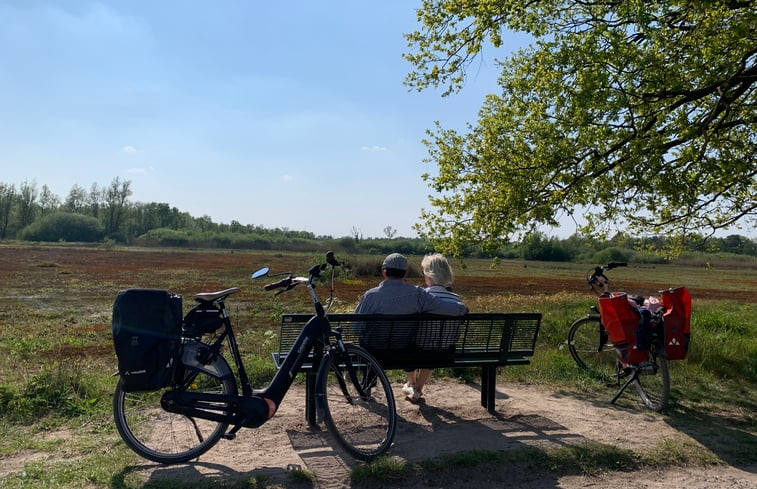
x,y
631,338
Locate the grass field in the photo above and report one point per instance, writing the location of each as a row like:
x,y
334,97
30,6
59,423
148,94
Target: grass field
x,y
56,354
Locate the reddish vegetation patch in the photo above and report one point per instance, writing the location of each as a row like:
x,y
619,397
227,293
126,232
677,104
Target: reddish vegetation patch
x,y
78,351
119,266
483,286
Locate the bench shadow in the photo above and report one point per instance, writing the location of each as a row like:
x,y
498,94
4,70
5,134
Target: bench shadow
x,y
445,431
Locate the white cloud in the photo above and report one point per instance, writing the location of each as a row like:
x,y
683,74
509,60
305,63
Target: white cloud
x,y
373,148
141,170
129,149
287,178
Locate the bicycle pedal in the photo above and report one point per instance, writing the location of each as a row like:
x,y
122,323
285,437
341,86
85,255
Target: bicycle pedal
x,y
229,436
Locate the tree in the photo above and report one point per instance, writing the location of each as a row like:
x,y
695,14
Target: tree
x,y
95,200
7,196
390,232
48,201
356,234
115,197
76,200
634,115
27,203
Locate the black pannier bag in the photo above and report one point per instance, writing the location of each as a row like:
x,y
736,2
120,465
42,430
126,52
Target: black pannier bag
x,y
202,319
147,337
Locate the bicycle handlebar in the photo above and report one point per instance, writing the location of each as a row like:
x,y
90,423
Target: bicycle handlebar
x,y
284,282
290,281
598,281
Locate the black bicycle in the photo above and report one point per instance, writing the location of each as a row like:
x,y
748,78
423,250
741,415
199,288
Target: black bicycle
x,y
590,341
202,405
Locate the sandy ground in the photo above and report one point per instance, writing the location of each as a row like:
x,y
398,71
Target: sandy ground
x,y
450,419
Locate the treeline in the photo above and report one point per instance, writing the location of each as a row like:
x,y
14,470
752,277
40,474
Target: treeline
x,y
105,214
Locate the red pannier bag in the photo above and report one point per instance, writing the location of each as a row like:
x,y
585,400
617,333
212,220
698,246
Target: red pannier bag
x,y
677,317
621,320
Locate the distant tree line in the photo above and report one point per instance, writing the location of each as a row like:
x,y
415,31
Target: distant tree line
x,y
105,214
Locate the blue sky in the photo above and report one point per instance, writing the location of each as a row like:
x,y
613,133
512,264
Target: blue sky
x,y
289,115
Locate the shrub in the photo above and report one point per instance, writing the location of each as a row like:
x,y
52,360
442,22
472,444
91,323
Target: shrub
x,y
63,226
613,254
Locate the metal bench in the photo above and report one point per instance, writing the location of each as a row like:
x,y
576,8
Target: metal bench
x,y
487,341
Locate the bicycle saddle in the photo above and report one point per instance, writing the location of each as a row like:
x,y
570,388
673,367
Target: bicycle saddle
x,y
212,296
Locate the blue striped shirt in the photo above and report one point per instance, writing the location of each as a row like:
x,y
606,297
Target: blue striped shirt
x,y
444,294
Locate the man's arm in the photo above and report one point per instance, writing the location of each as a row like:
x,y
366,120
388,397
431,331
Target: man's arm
x,y
434,305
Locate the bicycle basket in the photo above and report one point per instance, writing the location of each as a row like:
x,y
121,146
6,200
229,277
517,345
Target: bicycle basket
x,y
677,303
621,320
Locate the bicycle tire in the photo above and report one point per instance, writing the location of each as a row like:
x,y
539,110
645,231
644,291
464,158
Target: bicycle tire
x,y
363,426
591,349
163,437
654,387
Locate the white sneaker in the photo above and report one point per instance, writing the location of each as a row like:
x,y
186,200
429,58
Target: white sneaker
x,y
411,392
416,395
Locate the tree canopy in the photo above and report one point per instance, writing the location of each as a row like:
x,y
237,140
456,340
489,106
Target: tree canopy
x,y
636,115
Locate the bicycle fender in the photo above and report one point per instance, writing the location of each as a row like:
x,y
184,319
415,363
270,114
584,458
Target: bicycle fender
x,y
218,368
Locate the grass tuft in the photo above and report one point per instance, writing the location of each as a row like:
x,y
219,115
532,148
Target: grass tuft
x,y
383,469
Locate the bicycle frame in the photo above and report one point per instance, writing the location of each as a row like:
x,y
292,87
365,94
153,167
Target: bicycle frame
x,y
252,408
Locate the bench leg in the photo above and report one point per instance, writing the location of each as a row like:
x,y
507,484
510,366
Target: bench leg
x,y
488,387
310,407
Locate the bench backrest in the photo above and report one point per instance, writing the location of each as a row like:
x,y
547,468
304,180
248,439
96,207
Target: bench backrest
x,y
429,338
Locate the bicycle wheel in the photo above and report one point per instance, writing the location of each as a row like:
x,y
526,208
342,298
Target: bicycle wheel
x,y
653,383
362,425
591,348
164,437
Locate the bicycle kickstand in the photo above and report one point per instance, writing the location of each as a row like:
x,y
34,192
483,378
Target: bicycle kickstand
x,y
625,385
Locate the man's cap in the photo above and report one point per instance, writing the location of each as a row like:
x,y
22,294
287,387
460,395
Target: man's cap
x,y
396,261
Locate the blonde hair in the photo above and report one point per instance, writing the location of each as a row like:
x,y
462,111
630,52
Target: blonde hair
x,y
436,267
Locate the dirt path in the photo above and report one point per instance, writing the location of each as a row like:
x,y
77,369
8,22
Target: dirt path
x,y
451,420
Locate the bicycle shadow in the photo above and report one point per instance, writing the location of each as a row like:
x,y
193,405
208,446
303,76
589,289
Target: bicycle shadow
x,y
732,443
156,475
